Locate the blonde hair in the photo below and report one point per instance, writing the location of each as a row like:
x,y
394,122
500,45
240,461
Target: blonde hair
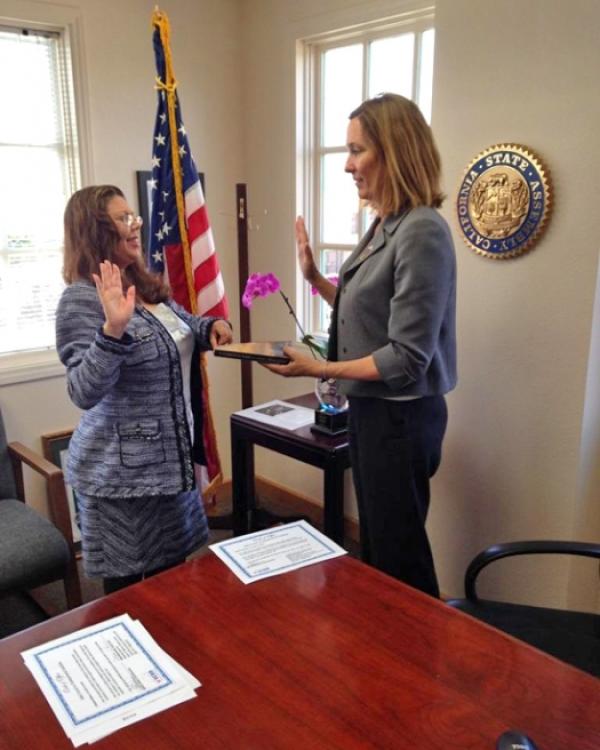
x,y
410,165
91,237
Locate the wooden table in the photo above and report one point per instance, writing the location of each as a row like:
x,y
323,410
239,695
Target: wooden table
x,y
335,655
329,453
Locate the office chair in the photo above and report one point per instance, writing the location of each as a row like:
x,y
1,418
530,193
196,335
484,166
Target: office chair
x,y
573,637
33,550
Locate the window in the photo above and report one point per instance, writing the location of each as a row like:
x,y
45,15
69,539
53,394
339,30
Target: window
x,y
338,75
40,169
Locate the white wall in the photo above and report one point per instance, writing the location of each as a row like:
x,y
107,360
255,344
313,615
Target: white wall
x,y
118,76
512,465
523,444
584,587
513,451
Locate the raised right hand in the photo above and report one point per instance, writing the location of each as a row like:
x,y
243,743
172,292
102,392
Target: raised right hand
x,y
118,306
306,258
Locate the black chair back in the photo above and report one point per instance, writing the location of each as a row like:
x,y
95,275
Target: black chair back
x,y
573,637
8,489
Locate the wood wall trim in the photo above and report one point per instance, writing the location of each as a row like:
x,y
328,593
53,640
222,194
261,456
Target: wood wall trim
x,y
280,499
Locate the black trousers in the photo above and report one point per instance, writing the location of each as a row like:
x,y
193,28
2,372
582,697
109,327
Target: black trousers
x,y
395,448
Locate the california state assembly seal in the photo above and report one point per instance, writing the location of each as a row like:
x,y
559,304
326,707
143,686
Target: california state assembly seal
x,y
504,201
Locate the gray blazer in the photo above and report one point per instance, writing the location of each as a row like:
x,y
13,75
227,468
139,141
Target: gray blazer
x,y
133,438
396,300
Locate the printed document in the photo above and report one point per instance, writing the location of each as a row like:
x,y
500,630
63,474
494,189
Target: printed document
x,y
277,550
107,676
280,414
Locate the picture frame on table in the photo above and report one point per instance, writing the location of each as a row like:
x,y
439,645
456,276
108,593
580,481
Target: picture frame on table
x,y
144,190
55,447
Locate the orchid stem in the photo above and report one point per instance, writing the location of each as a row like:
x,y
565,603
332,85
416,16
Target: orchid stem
x,y
293,314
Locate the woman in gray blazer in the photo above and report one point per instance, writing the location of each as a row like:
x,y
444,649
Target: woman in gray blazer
x,y
128,350
392,339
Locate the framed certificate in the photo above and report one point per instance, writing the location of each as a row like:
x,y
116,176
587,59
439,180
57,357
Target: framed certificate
x,y
268,352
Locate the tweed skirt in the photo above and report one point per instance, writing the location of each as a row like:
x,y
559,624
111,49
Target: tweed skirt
x,y
122,537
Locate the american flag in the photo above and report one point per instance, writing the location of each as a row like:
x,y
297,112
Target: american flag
x,y
168,238
181,244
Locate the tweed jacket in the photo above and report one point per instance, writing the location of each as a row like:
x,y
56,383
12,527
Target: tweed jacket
x,y
133,437
396,300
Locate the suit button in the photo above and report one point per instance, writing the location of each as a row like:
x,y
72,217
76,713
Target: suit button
x,y
345,350
342,321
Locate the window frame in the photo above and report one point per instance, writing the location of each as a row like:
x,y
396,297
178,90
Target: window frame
x,y
39,364
309,122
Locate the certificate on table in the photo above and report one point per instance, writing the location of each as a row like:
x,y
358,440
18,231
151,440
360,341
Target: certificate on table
x,y
277,550
107,676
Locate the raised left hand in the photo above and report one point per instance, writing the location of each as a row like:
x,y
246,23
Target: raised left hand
x,y
298,365
220,333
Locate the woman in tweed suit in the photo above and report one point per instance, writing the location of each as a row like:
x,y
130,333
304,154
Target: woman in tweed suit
x,y
392,339
128,350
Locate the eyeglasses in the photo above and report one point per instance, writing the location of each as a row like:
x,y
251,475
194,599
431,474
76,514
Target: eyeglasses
x,y
129,220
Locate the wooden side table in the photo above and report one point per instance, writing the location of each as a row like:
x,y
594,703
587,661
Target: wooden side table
x,y
328,453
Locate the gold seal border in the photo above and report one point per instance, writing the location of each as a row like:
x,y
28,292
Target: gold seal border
x,y
542,170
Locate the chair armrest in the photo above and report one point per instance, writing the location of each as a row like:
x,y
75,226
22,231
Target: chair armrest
x,y
511,549
20,453
57,496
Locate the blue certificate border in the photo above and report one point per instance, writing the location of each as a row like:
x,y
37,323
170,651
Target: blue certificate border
x,y
38,658
241,539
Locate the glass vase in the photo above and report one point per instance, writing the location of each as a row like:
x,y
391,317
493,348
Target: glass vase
x,y
330,397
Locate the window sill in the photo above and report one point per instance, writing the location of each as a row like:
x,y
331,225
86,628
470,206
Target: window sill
x,y
29,366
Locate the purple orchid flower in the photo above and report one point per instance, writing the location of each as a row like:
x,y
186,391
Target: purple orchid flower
x,y
263,284
259,285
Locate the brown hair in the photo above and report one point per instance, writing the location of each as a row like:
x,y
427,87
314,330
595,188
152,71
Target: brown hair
x,y
91,236
410,165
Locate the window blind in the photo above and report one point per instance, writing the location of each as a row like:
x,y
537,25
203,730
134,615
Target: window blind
x,y
38,172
